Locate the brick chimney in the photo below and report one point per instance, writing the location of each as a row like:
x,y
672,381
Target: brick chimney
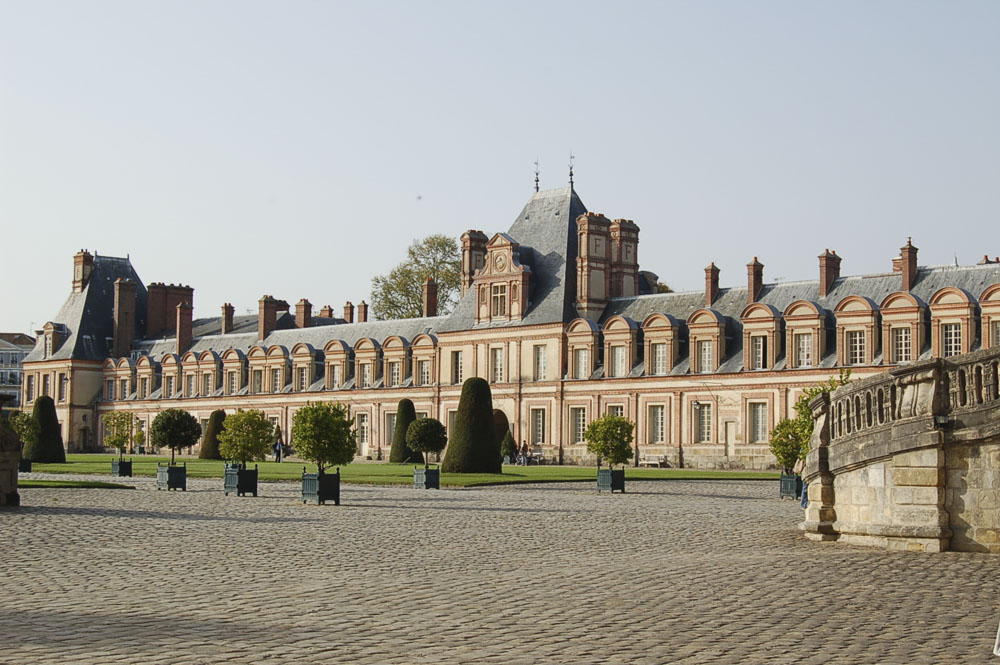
x,y
349,312
908,264
83,265
755,279
430,297
184,316
227,318
326,312
363,312
829,271
303,314
161,305
124,317
267,316
711,284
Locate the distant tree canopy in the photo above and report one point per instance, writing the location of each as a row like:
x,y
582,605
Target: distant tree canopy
x,y
400,295
663,288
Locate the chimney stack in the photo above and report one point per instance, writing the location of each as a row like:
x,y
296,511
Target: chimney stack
x,y
755,279
83,265
124,323
430,297
161,306
227,318
349,312
829,271
711,284
303,313
908,263
184,316
363,312
326,312
267,316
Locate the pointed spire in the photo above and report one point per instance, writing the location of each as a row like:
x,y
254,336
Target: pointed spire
x,y
571,169
536,174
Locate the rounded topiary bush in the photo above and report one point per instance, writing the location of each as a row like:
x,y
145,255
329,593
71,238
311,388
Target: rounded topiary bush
x,y
426,435
400,453
473,446
175,429
210,442
48,445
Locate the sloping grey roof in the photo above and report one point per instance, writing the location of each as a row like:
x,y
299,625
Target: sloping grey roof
x,y
546,233
88,316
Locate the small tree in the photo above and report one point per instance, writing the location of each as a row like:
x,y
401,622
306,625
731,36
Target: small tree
x,y
48,445
610,438
247,437
140,434
175,429
26,429
119,430
210,442
790,437
508,448
473,447
426,435
400,452
324,434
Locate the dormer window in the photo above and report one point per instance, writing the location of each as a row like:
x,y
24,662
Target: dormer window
x,y
48,345
499,300
902,345
706,362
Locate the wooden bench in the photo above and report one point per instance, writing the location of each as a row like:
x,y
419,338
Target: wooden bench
x,y
658,461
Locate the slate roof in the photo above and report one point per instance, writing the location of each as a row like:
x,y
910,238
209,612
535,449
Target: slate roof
x,y
17,339
88,317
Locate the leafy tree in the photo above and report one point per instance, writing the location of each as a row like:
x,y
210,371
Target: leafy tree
x,y
175,429
140,435
508,448
663,288
610,438
323,433
473,447
400,453
119,430
399,295
426,435
790,437
48,445
210,442
25,427
247,437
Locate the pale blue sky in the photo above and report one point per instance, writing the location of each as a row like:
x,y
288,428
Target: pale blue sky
x,y
296,148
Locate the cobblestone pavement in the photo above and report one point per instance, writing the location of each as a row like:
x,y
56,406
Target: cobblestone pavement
x,y
672,572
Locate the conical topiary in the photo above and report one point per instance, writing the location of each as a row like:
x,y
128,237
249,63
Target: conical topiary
x,y
473,446
500,425
400,453
508,448
48,447
210,442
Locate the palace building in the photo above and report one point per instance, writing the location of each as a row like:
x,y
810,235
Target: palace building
x,y
555,313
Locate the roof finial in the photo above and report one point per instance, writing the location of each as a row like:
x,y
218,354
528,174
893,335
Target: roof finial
x,y
571,169
536,174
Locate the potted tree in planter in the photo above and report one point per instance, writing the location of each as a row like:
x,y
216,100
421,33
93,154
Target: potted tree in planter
x,y
26,428
323,433
175,429
610,438
119,429
247,437
426,435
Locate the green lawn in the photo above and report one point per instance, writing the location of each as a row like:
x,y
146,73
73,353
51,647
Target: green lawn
x,y
381,473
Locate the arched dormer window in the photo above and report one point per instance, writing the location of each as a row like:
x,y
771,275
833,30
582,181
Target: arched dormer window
x,y
257,364
396,361
857,326
805,334
367,363
903,327
170,372
234,371
210,371
661,339
761,336
279,368
707,332
147,377
582,338
189,375
339,362
989,304
425,360
621,341
304,370
953,322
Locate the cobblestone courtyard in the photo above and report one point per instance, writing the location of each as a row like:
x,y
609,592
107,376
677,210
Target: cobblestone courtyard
x,y
672,572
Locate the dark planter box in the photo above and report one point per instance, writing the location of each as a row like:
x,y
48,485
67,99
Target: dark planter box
x,y
170,477
426,478
321,487
611,480
791,486
241,480
121,468
24,466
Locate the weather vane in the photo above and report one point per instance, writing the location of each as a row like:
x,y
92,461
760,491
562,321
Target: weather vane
x,y
571,169
536,174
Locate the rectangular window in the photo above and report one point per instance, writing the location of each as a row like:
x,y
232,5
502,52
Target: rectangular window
x,y
496,365
362,424
901,345
258,381
540,362
656,424
456,367
390,427
616,410
758,352
232,383
424,370
189,385
856,347
63,382
499,300
758,422
206,385
537,426
394,374
618,361
578,424
109,388
47,385
995,336
29,389
335,376
952,334
451,422
143,387
703,423
276,383
803,350
123,390
581,364
302,378
366,375
659,353
168,387
705,355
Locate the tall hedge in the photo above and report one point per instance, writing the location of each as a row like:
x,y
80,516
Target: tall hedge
x,y
473,446
400,453
210,442
48,447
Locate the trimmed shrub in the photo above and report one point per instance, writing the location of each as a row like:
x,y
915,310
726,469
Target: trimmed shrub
x,y
501,426
426,435
400,453
508,448
473,447
175,429
48,445
247,438
210,442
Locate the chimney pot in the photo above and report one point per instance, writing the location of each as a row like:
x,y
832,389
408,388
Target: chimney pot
x,y
711,283
349,312
430,297
363,312
303,313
